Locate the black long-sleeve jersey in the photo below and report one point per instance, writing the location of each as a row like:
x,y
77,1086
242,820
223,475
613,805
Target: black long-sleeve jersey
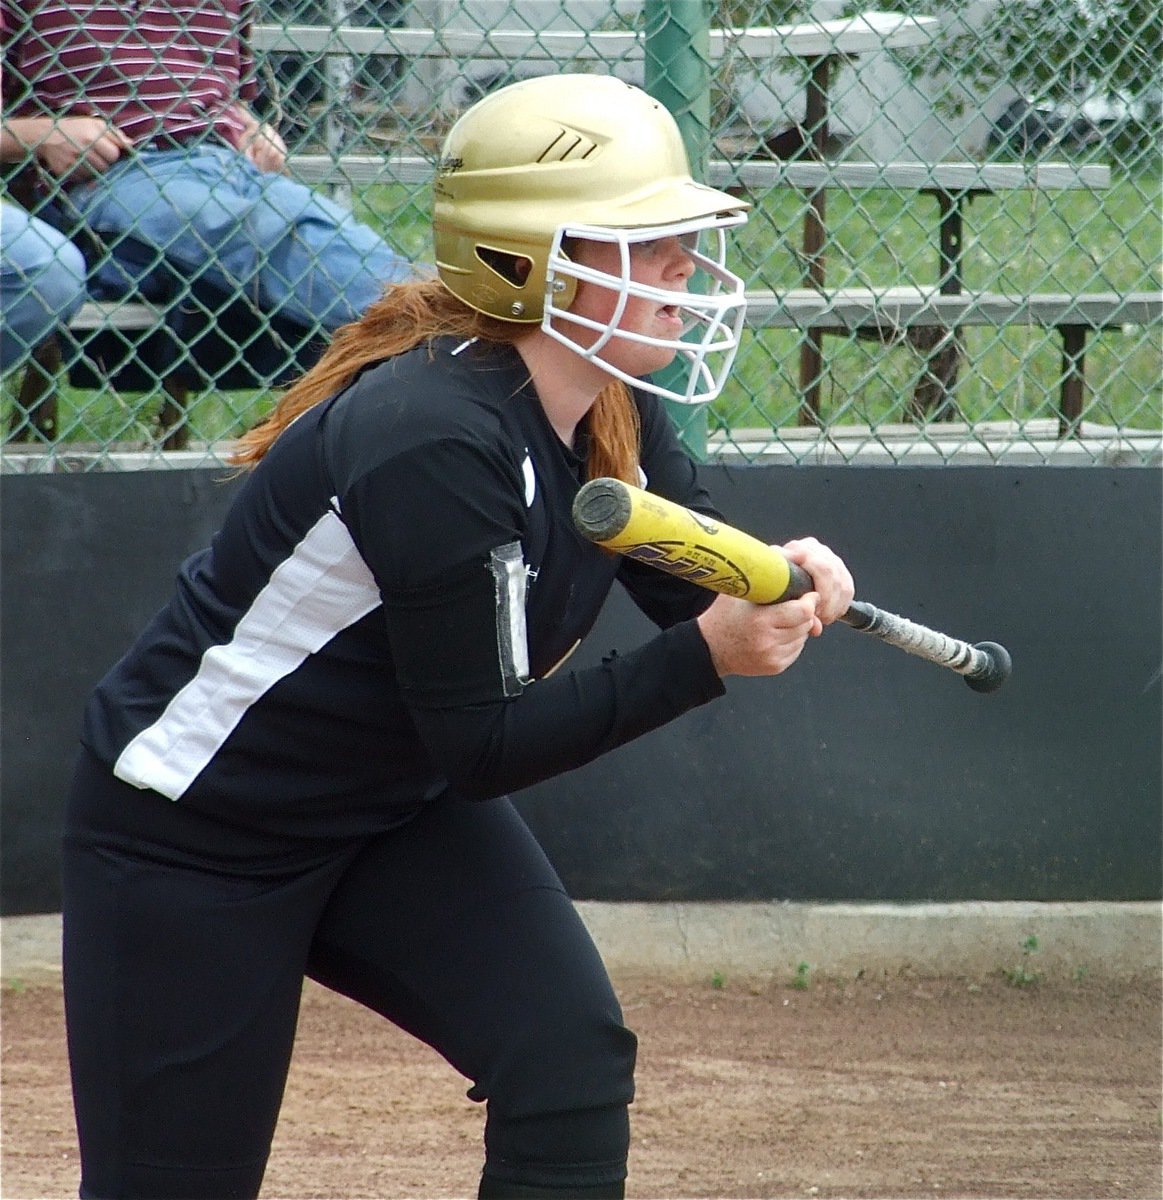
x,y
382,611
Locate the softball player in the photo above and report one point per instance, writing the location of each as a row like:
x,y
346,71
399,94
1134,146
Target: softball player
x,y
300,767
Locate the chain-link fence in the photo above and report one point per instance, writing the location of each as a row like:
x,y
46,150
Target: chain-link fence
x,y
953,255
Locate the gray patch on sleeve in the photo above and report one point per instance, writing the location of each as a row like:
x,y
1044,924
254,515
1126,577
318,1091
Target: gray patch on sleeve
x,y
507,565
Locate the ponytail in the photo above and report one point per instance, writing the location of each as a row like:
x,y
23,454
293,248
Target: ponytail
x,y
409,315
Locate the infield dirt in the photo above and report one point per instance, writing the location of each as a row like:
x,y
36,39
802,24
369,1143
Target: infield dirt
x,y
886,1087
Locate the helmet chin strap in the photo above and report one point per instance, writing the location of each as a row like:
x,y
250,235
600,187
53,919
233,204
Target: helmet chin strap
x,y
712,324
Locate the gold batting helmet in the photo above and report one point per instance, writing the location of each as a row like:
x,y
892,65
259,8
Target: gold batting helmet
x,y
547,152
533,162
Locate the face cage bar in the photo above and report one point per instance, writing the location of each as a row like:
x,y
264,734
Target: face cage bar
x,y
718,312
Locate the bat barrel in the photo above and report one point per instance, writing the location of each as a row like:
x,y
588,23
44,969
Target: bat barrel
x,y
695,546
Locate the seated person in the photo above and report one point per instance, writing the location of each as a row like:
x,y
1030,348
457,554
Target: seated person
x,y
42,282
137,120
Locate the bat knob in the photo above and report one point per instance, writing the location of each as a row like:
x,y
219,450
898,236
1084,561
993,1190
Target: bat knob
x,y
601,509
997,669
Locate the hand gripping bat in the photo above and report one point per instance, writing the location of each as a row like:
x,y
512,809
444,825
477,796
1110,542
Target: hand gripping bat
x,y
717,556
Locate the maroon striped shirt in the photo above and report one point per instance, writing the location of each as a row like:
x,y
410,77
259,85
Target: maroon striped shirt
x,y
151,67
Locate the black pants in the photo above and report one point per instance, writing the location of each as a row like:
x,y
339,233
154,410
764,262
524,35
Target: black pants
x,y
186,942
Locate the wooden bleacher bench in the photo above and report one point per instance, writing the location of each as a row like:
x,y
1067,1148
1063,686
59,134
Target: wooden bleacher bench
x,y
885,312
113,315
888,313
951,184
955,179
36,400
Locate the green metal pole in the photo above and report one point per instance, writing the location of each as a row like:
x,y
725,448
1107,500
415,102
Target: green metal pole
x,y
678,73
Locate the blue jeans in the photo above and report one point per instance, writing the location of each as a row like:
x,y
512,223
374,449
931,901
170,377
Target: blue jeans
x,y
207,215
42,282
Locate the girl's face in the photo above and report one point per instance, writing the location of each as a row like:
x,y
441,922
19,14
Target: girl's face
x,y
664,263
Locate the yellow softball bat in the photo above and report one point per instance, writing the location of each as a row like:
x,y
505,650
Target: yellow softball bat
x,y
677,540
715,555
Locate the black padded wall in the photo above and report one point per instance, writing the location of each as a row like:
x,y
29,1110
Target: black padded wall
x,y
862,774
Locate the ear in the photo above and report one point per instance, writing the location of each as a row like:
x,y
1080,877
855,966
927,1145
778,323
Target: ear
x,y
514,268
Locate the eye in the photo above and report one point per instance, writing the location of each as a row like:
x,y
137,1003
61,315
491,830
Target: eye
x,y
645,250
687,243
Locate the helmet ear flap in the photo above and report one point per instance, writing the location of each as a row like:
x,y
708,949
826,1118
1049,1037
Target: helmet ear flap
x,y
497,277
560,289
513,268
520,273
516,286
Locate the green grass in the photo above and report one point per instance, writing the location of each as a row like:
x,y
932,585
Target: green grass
x,y
1016,242
1024,975
1006,375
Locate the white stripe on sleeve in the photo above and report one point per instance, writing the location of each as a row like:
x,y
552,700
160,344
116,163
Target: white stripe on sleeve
x,y
321,589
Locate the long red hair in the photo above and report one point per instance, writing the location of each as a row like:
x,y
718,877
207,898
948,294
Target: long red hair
x,y
408,315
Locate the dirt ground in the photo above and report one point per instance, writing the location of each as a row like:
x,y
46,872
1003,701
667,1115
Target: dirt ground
x,y
901,1087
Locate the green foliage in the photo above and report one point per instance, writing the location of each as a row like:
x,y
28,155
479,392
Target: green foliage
x,y
739,13
1015,242
1023,975
1060,42
801,980
1051,50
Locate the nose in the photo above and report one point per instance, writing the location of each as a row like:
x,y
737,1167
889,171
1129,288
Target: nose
x,y
682,264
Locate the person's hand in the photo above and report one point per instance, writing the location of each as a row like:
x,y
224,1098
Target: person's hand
x,y
766,639
832,579
71,147
264,146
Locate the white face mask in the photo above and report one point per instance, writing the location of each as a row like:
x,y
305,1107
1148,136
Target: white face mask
x,y
712,318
